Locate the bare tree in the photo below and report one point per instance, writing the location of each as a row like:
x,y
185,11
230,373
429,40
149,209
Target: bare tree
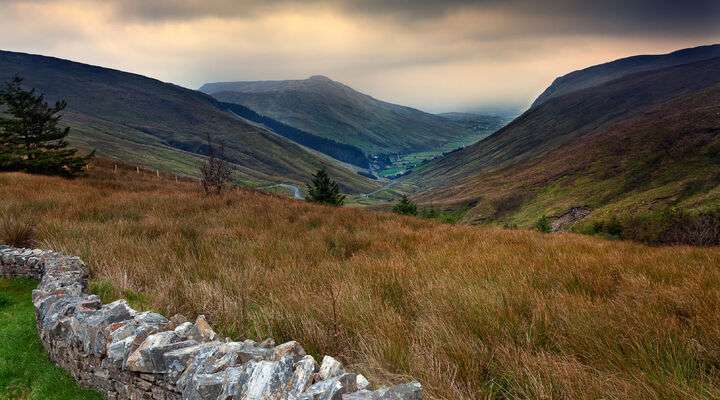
x,y
215,171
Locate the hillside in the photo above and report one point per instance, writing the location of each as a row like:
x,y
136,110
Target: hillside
x,y
599,74
642,144
337,112
478,123
160,125
473,313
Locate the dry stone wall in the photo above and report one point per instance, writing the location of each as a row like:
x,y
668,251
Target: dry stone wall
x,y
126,354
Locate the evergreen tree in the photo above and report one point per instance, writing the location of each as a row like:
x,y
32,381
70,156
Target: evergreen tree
x,y
405,206
325,190
30,139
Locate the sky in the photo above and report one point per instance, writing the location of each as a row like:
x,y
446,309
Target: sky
x,y
439,56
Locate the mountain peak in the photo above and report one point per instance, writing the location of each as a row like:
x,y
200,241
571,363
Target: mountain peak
x,y
319,78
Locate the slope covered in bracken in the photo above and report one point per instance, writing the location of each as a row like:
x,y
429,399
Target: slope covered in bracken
x,y
473,313
161,125
644,143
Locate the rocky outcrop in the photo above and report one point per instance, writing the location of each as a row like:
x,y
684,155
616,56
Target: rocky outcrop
x,y
569,218
126,354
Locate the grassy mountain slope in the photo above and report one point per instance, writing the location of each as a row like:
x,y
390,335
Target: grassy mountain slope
x,y
332,110
479,123
143,120
647,141
599,74
471,312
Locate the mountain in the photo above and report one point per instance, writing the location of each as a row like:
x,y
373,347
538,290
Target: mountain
x,y
599,74
161,125
645,144
334,111
478,123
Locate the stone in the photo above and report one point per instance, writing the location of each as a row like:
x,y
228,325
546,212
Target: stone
x,y
208,386
184,329
269,380
361,382
149,357
247,351
302,376
292,348
202,332
406,391
177,360
330,367
87,326
198,365
362,394
330,389
236,381
268,343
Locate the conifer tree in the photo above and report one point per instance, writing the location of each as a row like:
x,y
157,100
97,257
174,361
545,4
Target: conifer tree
x,y
30,139
325,190
405,206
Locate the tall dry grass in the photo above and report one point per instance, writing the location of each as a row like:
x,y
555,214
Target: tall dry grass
x,y
472,313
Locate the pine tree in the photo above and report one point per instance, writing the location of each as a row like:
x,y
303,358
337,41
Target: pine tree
x,y
325,190
30,139
405,206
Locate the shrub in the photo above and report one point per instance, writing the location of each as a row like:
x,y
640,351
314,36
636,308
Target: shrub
x,y
17,233
674,226
215,172
543,224
405,206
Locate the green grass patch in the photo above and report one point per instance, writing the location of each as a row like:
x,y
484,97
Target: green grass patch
x,y
108,293
25,370
448,217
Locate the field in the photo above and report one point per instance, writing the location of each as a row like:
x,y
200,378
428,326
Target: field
x,y
472,313
409,161
25,371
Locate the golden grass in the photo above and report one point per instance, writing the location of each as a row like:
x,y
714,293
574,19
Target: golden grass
x,y
472,313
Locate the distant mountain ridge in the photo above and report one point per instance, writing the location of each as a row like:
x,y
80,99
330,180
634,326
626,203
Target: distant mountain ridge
x,y
334,111
602,73
146,121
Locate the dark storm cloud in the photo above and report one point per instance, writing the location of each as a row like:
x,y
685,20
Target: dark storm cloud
x,y
656,17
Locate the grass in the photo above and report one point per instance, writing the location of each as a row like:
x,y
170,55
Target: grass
x,y
473,313
25,371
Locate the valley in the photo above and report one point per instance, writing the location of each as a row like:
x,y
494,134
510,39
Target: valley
x,y
385,139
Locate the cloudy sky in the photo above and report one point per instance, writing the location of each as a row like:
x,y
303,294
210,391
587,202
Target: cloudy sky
x,y
435,55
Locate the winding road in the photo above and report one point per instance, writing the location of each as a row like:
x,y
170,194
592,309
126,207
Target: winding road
x,y
297,193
